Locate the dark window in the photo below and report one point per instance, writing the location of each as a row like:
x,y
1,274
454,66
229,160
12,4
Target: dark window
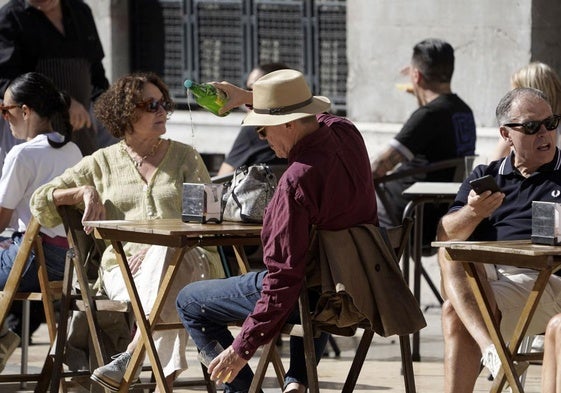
x,y
223,40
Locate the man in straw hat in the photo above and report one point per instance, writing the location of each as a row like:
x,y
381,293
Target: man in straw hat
x,y
328,184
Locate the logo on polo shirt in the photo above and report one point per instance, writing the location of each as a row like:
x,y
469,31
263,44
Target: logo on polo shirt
x,y
555,193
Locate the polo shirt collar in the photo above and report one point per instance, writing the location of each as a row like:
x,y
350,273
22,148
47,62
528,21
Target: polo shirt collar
x,y
507,167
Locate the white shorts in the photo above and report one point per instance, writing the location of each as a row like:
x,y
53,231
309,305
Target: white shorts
x,y
511,289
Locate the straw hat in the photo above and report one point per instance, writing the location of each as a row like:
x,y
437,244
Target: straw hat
x,y
281,97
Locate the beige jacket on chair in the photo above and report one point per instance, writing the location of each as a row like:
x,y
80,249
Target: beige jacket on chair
x,y
361,284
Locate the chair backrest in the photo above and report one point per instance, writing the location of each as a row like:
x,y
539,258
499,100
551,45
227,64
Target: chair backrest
x,y
457,164
398,236
50,291
88,248
82,266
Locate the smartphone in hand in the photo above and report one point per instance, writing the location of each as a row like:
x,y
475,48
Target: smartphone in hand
x,y
485,183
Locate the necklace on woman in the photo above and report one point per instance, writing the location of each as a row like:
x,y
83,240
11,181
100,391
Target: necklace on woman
x,y
138,161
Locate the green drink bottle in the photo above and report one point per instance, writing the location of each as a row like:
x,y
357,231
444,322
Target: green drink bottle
x,y
207,96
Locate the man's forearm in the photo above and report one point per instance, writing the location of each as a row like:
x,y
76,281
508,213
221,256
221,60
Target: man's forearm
x,y
458,225
386,162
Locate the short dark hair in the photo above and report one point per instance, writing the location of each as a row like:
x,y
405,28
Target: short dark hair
x,y
270,67
505,104
435,60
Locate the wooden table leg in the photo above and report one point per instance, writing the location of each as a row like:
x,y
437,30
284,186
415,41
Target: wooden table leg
x,y
506,355
241,258
146,326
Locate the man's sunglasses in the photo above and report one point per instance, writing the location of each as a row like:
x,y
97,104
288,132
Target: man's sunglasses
x,y
153,105
6,108
532,127
261,132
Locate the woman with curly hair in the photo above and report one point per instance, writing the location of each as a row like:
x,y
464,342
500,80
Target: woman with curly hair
x,y
138,178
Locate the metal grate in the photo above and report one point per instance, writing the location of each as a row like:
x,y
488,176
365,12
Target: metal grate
x,y
158,40
174,59
280,33
208,40
331,66
219,41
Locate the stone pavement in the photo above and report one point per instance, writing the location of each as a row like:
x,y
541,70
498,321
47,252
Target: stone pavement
x,y
381,370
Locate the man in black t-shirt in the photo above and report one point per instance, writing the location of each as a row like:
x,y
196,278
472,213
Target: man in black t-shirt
x,y
441,128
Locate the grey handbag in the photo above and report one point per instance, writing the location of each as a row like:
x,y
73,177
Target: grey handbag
x,y
248,193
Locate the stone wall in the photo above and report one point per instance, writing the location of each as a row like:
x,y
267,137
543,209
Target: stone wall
x,y
210,134
491,40
112,22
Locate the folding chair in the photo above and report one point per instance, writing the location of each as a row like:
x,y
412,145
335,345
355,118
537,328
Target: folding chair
x,y
82,262
50,291
398,237
460,166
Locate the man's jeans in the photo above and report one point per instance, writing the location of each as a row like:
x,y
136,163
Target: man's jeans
x,y
207,307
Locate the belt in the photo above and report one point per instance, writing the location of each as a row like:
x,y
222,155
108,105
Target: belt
x,y
57,241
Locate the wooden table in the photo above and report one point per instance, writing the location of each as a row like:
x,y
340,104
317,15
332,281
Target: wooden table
x,y
521,253
419,194
181,236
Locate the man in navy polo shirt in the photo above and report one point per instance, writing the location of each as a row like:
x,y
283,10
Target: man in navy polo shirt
x,y
531,172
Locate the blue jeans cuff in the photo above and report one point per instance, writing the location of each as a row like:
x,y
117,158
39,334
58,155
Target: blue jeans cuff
x,y
288,380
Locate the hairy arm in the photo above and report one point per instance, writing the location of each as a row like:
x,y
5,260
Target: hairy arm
x,y
386,161
236,96
459,225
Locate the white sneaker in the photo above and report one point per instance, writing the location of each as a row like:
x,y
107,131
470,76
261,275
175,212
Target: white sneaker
x,y
537,343
295,387
491,360
8,344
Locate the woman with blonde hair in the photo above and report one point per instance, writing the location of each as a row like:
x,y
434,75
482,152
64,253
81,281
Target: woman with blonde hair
x,y
538,76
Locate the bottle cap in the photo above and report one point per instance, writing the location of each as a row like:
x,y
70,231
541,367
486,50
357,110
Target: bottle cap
x,y
188,83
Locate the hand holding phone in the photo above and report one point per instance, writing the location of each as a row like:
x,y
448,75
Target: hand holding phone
x,y
485,183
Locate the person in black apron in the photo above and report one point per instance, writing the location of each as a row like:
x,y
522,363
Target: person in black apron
x,y
59,39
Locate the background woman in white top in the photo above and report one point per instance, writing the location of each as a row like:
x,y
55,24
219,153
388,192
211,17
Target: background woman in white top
x,y
32,104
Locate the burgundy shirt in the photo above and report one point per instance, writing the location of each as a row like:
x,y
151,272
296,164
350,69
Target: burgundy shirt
x,y
329,184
